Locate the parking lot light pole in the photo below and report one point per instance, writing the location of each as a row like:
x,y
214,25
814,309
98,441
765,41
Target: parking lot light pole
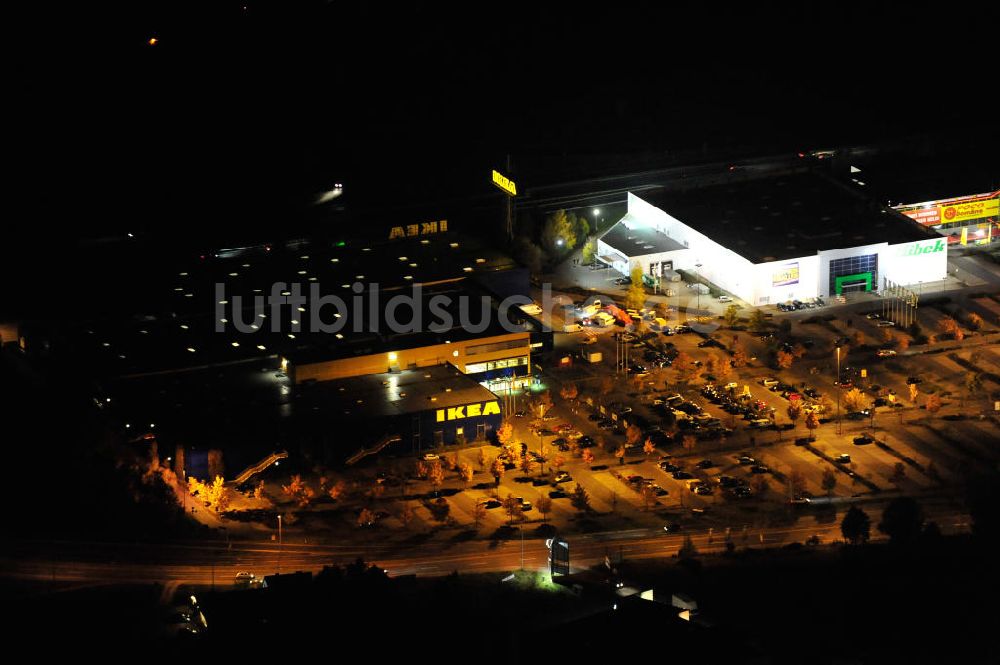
x,y
839,431
698,266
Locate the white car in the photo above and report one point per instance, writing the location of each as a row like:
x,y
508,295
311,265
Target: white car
x,y
886,353
725,299
430,457
532,309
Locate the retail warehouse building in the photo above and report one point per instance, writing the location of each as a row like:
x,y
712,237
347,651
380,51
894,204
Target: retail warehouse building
x,y
410,410
793,236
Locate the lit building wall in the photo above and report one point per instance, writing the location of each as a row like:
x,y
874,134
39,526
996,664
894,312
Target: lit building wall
x,y
781,281
915,262
459,353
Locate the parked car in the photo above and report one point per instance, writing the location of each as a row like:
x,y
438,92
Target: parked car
x,y
863,440
725,298
429,457
562,477
843,459
885,353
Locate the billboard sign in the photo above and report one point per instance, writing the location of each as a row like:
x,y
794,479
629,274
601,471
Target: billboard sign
x,y
961,212
925,216
785,276
504,183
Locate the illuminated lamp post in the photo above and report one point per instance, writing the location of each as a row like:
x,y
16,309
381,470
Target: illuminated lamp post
x,y
698,266
839,431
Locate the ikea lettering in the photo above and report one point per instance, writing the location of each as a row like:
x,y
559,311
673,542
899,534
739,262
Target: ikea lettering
x,y
504,183
422,229
916,250
468,411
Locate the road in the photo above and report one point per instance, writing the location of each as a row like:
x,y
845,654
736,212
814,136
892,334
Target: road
x,y
202,564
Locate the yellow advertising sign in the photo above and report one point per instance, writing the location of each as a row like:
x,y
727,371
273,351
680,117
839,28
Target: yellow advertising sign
x,y
786,275
468,411
504,183
422,229
960,212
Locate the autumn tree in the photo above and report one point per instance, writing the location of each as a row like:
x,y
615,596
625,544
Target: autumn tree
x,y
366,517
505,433
478,514
902,342
757,320
512,507
794,411
932,404
588,457
435,475
635,297
620,454
855,400
719,367
689,442
482,459
559,233
544,505
975,321
829,482
783,359
914,392
858,338
740,357
497,469
812,424
558,462
589,251
569,391
465,472
732,315
973,384
632,435
580,499
297,490
527,464
406,515
949,326
648,448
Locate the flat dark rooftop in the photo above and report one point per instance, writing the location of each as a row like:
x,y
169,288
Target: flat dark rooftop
x,y
394,393
788,216
638,239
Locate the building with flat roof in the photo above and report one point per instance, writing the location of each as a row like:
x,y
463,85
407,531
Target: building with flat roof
x,y
426,408
796,235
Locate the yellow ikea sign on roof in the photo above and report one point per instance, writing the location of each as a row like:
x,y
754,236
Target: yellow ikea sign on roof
x,y
504,183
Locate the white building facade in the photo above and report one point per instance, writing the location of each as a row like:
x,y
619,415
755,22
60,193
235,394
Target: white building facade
x,y
827,272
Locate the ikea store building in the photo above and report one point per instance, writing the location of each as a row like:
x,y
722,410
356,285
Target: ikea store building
x,y
792,236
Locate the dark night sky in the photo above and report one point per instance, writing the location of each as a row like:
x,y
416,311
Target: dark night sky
x,y
237,116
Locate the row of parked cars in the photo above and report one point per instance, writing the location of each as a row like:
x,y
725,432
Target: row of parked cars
x,y
795,305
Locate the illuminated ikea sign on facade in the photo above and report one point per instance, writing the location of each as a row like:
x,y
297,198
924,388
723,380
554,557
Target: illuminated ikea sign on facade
x,y
468,411
422,229
504,183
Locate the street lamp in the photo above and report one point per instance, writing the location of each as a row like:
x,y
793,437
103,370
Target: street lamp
x,y
838,392
698,266
279,543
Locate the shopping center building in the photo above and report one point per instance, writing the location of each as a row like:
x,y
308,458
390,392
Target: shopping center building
x,y
792,236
